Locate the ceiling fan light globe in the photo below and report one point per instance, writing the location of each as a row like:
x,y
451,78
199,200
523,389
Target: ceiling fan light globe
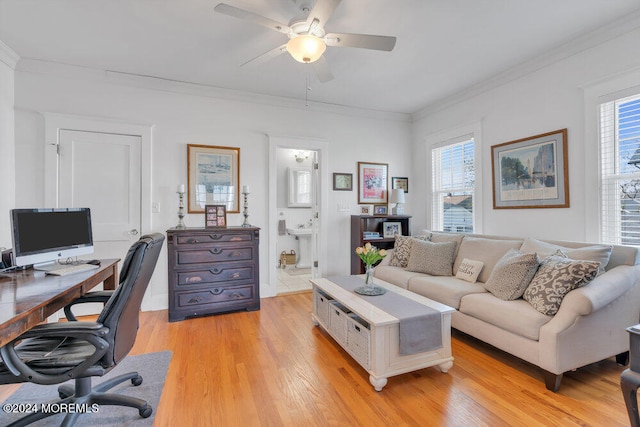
x,y
306,48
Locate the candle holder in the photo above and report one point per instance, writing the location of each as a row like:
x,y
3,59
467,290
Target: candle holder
x,y
180,210
245,212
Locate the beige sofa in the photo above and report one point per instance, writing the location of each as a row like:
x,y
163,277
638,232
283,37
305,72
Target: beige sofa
x,y
588,327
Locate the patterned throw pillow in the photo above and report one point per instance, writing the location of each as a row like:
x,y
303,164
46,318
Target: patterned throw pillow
x,y
432,258
469,270
556,277
402,250
512,275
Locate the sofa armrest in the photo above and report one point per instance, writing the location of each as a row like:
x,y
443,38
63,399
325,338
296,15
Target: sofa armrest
x,y
602,290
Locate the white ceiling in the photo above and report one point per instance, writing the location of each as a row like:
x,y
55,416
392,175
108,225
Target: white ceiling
x,y
443,46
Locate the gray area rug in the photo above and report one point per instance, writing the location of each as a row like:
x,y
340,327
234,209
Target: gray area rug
x,y
153,369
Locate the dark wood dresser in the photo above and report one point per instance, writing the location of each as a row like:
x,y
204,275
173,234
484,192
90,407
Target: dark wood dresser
x,y
212,270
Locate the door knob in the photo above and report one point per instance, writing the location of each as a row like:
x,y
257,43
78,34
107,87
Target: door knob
x,y
134,232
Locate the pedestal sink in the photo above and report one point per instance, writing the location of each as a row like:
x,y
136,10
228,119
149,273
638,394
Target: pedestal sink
x,y
304,246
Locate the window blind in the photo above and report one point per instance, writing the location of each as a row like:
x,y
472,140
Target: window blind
x,y
453,185
620,170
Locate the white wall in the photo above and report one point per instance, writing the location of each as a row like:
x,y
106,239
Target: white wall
x,y
8,60
544,100
187,114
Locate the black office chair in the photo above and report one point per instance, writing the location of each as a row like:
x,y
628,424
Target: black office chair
x,y
54,353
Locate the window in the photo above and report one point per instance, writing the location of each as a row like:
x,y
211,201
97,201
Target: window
x,y
620,171
453,185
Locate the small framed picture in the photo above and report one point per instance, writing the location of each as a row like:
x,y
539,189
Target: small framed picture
x,y
215,216
380,209
342,181
400,182
391,228
366,209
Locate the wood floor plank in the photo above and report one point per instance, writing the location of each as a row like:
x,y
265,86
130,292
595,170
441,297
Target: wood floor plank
x,y
272,367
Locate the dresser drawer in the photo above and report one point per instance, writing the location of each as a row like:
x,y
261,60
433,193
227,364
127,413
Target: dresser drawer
x,y
211,238
200,255
214,295
214,274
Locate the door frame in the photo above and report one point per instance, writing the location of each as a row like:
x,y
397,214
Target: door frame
x,y
55,122
296,143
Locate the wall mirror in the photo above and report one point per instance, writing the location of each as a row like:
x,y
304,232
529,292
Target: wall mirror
x,y
299,188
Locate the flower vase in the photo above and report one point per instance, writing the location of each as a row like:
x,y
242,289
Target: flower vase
x,y
368,275
369,288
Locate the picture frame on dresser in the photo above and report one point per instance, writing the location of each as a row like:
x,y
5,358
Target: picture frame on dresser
x,y
215,216
391,228
213,177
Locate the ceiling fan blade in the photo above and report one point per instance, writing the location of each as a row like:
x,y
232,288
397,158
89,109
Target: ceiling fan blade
x,y
321,12
365,41
266,56
226,9
321,67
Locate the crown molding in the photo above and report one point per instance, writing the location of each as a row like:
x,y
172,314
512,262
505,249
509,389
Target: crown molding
x,y
8,55
579,44
61,70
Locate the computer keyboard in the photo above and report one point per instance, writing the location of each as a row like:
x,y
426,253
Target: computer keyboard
x,y
72,269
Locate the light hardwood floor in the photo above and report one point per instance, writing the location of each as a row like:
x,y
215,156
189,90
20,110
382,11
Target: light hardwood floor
x,y
274,368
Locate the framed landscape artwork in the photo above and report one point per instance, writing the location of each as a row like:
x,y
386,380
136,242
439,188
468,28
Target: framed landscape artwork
x,y
372,183
531,172
342,181
214,174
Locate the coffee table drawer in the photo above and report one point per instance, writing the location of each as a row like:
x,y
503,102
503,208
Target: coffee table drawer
x,y
322,304
338,316
358,337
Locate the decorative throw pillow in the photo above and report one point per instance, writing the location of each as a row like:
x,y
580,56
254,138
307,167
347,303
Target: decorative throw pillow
x,y
596,253
432,258
469,270
555,278
402,250
512,274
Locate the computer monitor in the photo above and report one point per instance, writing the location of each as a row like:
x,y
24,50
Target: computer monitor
x,y
47,235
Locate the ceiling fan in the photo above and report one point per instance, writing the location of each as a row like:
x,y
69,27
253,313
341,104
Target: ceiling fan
x,y
307,37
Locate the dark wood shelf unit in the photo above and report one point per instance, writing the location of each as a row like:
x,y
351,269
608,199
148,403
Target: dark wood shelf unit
x,y
212,270
362,223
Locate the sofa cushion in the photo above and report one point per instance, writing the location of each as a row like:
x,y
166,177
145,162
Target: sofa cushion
x,y
432,258
512,274
488,251
597,253
516,316
402,250
394,275
469,270
555,278
439,237
445,290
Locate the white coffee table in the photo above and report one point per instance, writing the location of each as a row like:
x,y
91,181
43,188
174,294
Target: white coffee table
x,y
371,335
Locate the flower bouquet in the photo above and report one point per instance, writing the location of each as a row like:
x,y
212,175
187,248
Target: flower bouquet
x,y
370,255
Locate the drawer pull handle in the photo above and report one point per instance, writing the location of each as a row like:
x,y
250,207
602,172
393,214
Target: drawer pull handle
x,y
216,251
235,295
357,328
216,291
216,271
216,236
235,254
195,300
192,240
194,279
235,275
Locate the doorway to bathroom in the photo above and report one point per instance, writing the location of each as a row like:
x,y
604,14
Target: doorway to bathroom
x,y
296,253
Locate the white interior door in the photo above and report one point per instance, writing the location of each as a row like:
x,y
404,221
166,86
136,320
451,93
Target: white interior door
x,y
101,171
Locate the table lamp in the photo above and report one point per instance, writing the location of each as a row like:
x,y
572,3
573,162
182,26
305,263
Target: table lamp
x,y
397,197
